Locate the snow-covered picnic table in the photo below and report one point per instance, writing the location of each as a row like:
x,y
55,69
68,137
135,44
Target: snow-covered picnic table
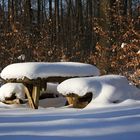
x,y
36,75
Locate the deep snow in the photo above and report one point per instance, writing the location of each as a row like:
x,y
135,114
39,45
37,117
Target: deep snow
x,y
33,70
8,89
112,122
105,89
100,120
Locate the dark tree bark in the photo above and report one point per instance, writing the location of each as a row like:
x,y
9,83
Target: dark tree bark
x,y
57,21
11,14
50,9
129,8
38,12
27,13
104,20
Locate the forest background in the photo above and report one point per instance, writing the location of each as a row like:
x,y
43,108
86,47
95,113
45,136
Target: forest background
x,y
105,33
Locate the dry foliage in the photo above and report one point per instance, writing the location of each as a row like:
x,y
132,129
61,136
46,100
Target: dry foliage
x,y
79,38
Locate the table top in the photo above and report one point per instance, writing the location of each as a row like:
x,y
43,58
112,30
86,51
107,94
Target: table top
x,y
34,70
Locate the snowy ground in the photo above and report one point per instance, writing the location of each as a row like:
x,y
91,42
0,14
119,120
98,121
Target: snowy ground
x,y
100,120
113,122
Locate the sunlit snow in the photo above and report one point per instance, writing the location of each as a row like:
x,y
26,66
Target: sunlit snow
x,y
100,120
105,89
33,70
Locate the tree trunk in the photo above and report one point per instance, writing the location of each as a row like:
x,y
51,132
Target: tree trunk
x,y
104,13
129,8
50,9
38,11
11,14
57,16
104,23
27,14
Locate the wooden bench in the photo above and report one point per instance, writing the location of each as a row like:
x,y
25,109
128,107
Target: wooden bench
x,y
79,101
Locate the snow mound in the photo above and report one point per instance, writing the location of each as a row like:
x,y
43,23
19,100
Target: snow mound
x,y
8,89
33,70
105,89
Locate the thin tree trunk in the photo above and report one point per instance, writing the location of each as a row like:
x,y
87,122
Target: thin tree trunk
x,y
11,14
129,8
27,13
38,11
57,16
104,13
104,23
50,9
3,12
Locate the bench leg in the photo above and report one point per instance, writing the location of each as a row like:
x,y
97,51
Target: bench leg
x,y
35,96
30,99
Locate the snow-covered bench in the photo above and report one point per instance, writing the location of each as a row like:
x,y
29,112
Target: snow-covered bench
x,y
36,75
107,89
12,93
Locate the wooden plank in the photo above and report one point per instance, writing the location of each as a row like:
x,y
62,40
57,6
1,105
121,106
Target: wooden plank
x,y
15,101
25,80
30,99
35,95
